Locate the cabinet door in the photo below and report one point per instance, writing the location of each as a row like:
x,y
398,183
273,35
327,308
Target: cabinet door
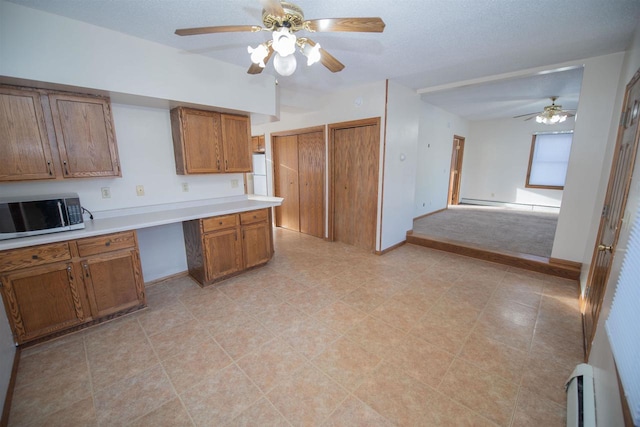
x,y
114,282
198,146
43,300
85,135
25,152
236,140
222,253
256,243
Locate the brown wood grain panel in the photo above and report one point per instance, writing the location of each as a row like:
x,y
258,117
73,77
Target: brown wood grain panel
x,y
311,168
106,243
355,184
256,243
25,152
254,216
112,282
43,300
201,141
236,140
194,250
223,253
85,135
16,259
285,159
219,222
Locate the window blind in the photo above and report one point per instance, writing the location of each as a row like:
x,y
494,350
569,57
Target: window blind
x,y
622,326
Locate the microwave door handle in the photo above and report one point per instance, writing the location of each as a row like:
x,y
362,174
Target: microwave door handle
x,y
60,212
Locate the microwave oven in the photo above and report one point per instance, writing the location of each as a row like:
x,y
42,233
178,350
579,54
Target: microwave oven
x,y
34,215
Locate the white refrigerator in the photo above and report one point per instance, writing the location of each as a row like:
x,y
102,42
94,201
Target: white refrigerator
x,y
260,174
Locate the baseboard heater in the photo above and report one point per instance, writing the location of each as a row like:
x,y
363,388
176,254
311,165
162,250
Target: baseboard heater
x,y
581,404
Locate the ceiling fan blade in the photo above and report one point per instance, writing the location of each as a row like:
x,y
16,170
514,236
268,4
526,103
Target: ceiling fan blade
x,y
219,29
327,59
525,115
362,25
255,68
273,7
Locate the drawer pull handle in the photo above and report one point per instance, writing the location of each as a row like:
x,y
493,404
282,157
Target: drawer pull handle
x,y
34,256
108,243
220,222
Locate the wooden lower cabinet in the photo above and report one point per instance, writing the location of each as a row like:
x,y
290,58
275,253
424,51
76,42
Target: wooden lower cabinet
x,y
222,253
44,295
44,300
223,246
114,282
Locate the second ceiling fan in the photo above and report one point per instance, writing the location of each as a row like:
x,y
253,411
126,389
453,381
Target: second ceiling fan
x,y
284,19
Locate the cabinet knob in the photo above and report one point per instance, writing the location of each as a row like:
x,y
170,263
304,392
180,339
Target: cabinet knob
x,y
34,256
220,222
108,243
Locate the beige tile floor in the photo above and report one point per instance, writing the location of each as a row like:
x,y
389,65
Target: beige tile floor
x,y
325,334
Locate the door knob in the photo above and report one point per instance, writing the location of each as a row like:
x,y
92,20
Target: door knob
x,y
604,248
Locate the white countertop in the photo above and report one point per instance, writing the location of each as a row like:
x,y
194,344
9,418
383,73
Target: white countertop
x,y
148,216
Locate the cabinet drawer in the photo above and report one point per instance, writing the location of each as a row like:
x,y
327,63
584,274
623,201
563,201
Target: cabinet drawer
x,y
16,259
219,222
106,243
254,216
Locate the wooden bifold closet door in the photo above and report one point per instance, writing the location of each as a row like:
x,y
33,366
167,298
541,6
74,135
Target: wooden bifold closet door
x,y
299,178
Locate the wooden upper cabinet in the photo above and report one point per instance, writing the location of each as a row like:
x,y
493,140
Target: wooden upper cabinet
x,y
210,142
197,143
85,135
257,144
236,140
55,135
25,152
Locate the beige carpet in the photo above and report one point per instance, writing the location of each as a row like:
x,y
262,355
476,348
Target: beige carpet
x,y
501,229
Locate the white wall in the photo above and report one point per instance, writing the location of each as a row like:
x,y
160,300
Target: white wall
x,y
607,395
496,158
43,47
597,108
435,142
400,162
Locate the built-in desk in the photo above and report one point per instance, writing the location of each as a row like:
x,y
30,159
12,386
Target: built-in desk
x,y
55,283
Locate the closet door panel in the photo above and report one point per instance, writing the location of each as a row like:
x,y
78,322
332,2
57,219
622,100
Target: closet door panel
x,y
311,161
286,181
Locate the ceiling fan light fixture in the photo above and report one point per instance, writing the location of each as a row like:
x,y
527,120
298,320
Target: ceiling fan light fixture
x,y
311,52
284,41
551,119
258,54
284,65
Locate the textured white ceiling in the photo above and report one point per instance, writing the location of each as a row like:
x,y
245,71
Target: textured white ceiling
x,y
425,43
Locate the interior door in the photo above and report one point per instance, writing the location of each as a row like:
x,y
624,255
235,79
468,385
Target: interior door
x,y
311,161
456,170
285,158
355,184
613,211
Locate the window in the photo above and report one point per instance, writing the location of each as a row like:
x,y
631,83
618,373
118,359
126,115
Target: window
x,y
549,160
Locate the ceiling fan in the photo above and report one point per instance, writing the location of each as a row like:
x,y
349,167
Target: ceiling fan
x,y
284,19
550,115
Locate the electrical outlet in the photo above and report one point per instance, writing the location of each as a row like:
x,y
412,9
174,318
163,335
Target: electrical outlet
x,y
234,183
140,190
185,187
106,192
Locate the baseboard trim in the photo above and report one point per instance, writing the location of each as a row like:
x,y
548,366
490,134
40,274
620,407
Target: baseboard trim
x,y
4,421
390,248
430,213
164,279
558,268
